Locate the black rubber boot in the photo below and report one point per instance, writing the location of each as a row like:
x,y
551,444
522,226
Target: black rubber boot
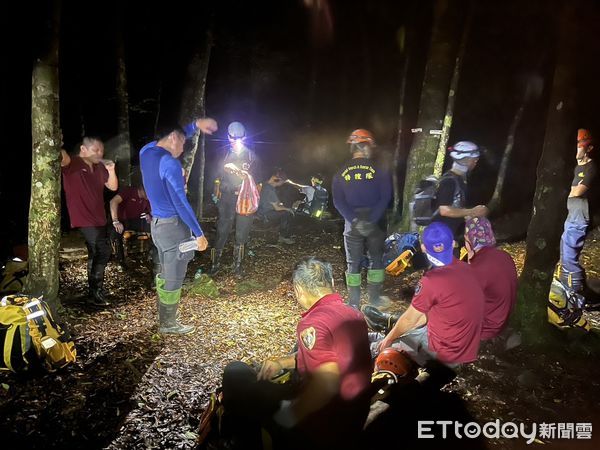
x,y
97,295
375,297
378,320
167,315
354,296
238,259
215,257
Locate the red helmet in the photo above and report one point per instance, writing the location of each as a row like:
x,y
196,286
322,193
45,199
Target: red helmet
x,y
395,361
361,135
584,137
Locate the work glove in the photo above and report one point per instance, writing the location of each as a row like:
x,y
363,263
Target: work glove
x,y
215,198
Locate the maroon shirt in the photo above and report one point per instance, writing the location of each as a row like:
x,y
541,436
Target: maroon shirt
x,y
453,301
84,188
496,272
132,206
331,331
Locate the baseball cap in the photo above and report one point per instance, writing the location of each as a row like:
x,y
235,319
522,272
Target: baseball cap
x,y
437,239
464,149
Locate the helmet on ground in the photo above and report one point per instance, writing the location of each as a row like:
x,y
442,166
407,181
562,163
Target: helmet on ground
x,y
361,135
464,149
395,361
584,137
236,130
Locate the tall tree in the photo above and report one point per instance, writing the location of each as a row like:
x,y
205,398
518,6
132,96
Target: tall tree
x,y
399,140
123,150
44,208
553,174
444,44
194,105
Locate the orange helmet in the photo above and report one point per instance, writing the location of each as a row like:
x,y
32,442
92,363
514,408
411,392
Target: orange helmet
x,y
395,361
584,137
361,135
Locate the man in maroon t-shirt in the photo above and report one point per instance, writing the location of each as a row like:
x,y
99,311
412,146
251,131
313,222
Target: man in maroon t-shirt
x,y
130,210
496,272
84,178
445,316
334,365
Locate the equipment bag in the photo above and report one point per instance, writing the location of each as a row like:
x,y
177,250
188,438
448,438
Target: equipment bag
x,y
400,248
15,342
319,202
51,343
424,206
248,198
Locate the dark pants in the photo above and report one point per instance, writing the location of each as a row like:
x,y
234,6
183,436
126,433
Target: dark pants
x,y
167,234
356,244
250,404
98,246
573,237
281,217
227,215
116,239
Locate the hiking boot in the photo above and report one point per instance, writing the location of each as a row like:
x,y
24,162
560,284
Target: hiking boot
x,y
286,240
238,259
378,320
215,257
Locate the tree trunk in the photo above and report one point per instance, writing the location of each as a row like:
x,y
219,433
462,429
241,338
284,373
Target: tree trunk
x,y
434,94
447,124
123,151
202,162
44,208
398,148
510,141
553,176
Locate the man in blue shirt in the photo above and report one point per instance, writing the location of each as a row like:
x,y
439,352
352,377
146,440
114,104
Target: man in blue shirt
x,y
173,219
361,193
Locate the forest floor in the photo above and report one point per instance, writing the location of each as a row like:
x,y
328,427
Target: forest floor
x,y
132,388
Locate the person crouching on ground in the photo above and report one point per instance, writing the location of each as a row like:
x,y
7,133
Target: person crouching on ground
x,y
445,316
330,402
270,209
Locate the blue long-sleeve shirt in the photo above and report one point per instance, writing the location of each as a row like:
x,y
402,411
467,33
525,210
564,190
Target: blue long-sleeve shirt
x,y
164,184
360,185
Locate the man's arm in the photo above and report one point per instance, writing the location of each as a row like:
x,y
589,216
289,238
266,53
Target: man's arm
x,y
66,159
578,191
411,319
114,208
451,211
271,367
385,197
339,200
113,181
206,125
323,385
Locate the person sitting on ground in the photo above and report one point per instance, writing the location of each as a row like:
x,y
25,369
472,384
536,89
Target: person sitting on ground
x,y
331,395
130,210
270,209
496,272
445,316
316,197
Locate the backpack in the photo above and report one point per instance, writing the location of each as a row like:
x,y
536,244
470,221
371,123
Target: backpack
x,y
319,202
424,206
248,198
400,248
28,332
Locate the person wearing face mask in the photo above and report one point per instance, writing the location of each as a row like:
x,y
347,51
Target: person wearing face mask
x,y
84,178
239,161
173,220
361,192
452,191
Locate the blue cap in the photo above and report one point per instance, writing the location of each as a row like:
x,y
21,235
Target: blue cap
x,y
437,238
236,130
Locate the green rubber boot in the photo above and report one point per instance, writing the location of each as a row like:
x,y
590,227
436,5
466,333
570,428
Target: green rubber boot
x,y
167,312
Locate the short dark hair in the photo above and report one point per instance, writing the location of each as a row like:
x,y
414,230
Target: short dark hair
x,y
313,274
168,128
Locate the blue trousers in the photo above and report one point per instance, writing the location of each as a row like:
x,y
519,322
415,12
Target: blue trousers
x,y
573,237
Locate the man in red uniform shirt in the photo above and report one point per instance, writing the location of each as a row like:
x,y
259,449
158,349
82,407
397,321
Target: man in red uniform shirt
x,y
496,272
329,406
444,319
130,210
84,179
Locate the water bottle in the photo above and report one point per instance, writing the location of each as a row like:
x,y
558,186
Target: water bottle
x,y
188,245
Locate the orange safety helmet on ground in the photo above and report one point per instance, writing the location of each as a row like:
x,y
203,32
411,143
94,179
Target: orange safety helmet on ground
x,y
584,137
361,135
394,361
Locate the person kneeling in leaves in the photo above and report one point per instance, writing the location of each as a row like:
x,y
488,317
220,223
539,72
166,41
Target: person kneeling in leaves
x,y
327,401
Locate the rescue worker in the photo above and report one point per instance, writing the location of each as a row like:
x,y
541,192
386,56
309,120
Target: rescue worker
x,y
271,209
316,197
239,160
361,193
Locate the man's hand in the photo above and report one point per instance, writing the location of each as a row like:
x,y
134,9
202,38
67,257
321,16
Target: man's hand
x,y
215,198
269,369
202,243
363,227
118,226
207,125
110,165
384,343
479,211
